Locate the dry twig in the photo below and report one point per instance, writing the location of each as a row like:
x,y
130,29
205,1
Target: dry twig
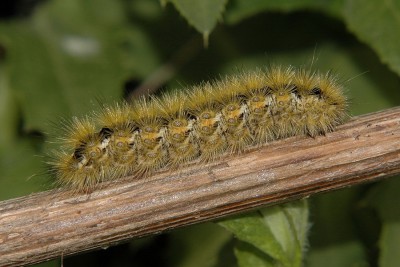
x,y
46,225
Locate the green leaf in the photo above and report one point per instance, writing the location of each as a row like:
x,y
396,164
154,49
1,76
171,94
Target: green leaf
x,y
21,173
279,232
242,9
8,110
348,253
377,23
248,255
201,14
55,63
385,199
197,244
389,244
62,65
19,168
333,239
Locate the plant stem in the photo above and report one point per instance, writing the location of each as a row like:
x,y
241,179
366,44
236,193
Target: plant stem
x,y
50,224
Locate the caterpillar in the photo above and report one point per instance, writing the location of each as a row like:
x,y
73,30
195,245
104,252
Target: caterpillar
x,y
200,123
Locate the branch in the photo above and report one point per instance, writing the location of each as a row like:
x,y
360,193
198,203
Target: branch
x,y
49,224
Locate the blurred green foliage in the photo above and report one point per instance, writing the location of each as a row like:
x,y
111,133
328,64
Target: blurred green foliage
x,y
61,58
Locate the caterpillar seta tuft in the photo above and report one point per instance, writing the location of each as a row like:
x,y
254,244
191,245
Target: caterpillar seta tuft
x,y
201,123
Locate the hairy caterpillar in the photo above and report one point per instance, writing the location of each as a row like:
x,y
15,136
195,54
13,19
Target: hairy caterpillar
x,y
201,123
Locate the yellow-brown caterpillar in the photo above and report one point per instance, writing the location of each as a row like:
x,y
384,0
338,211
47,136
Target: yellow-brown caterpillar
x,y
200,123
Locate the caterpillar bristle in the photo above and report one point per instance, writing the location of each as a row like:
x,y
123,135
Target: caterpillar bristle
x,y
76,174
77,132
119,131
202,124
